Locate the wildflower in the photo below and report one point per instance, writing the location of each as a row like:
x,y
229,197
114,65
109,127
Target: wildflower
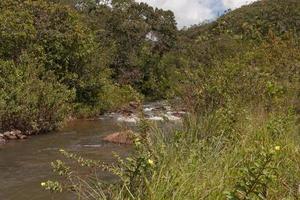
x,y
137,142
277,148
43,184
150,162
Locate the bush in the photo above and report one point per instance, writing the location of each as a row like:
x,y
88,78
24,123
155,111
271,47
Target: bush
x,y
31,99
52,62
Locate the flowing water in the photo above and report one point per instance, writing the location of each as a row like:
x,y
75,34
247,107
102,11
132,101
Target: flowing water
x,y
25,164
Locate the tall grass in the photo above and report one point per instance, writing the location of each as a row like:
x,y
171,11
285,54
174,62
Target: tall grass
x,y
254,156
206,167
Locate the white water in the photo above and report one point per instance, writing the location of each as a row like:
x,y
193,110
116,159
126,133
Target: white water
x,y
158,111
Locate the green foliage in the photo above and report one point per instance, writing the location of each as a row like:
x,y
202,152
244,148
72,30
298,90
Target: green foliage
x,y
17,30
137,36
52,186
28,102
55,62
256,177
263,75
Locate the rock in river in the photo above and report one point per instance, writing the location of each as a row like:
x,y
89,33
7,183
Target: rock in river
x,y
21,136
9,136
14,135
125,137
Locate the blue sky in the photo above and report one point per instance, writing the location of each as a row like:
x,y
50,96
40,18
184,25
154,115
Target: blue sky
x,y
189,12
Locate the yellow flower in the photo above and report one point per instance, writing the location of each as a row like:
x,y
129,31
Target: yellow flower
x,y
137,142
277,148
43,184
151,162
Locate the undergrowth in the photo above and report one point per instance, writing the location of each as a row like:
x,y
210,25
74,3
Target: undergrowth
x,y
248,157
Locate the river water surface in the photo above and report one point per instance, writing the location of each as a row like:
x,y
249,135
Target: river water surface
x,y
25,164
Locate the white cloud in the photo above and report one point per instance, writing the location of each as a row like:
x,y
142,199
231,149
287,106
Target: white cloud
x,y
189,12
235,3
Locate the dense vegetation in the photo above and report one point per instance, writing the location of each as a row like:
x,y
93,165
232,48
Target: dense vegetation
x,y
64,58
238,76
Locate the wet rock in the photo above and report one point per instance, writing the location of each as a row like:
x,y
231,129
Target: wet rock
x,y
129,109
21,136
10,136
13,135
134,105
160,108
125,137
2,140
6,134
178,113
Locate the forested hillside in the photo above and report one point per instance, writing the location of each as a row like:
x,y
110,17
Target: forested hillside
x,y
250,53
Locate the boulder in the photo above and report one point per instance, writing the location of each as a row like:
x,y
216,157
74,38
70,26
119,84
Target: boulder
x,y
12,135
125,137
6,134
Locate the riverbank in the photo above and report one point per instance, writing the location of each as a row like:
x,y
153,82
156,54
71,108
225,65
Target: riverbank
x,y
153,111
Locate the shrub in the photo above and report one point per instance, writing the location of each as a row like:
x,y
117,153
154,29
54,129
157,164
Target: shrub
x,y
31,99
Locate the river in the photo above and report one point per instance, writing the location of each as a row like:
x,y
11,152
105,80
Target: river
x,y
25,164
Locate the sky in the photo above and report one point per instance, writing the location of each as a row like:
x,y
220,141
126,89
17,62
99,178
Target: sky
x,y
189,12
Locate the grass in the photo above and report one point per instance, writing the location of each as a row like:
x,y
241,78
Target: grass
x,y
207,168
253,155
